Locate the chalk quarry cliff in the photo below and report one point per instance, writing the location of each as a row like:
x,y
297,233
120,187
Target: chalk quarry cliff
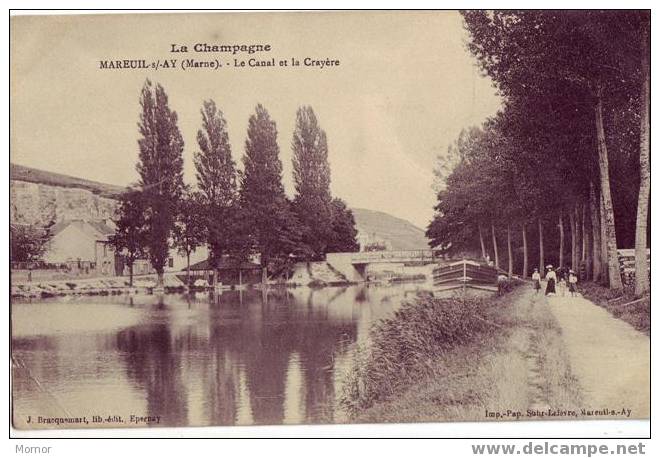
x,y
39,197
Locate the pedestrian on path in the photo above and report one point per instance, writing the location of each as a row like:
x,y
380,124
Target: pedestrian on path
x,y
562,275
551,278
536,278
572,283
501,284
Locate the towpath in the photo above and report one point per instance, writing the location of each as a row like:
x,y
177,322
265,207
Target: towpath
x,y
610,359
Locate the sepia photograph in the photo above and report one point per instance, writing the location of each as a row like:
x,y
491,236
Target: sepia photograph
x,y
329,217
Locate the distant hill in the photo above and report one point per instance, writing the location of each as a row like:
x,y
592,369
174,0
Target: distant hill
x,y
402,234
22,173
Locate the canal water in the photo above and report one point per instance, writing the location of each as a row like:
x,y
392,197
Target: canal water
x,y
235,358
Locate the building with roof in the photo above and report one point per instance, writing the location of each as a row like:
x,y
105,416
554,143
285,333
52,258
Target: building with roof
x,y
82,210
370,241
82,246
230,271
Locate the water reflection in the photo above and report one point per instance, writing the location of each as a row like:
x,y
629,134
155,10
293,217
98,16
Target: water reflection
x,y
240,357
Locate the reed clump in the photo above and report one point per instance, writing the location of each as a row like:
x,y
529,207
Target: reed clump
x,y
407,346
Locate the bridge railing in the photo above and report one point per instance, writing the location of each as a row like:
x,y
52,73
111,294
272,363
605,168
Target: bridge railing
x,y
374,256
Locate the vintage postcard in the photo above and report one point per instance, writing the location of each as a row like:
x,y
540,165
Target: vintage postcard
x,y
266,218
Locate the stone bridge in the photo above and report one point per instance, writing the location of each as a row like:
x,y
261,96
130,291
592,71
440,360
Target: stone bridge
x,y
354,265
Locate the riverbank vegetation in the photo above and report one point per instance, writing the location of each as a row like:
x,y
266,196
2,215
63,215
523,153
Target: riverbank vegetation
x,y
407,346
454,359
562,170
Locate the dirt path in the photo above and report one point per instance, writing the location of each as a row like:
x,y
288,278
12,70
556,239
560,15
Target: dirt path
x,y
547,378
609,358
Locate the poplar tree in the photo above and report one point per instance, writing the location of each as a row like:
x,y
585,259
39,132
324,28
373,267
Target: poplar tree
x,y
160,167
218,186
272,224
311,176
642,278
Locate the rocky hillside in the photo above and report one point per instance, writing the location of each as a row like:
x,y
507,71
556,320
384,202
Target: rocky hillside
x,y
401,234
40,197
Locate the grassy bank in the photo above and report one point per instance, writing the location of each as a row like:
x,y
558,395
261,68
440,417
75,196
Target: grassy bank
x,y
623,304
449,360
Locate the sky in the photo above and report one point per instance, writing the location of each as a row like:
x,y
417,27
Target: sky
x,y
405,87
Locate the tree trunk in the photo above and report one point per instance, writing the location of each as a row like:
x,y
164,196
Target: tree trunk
x,y
188,270
583,234
561,240
572,222
481,241
525,261
642,278
588,249
595,237
130,274
509,250
541,258
584,264
497,256
578,237
209,263
607,218
264,270
604,254
160,283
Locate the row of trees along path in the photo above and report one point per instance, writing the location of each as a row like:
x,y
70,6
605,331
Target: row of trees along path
x,y
234,212
566,156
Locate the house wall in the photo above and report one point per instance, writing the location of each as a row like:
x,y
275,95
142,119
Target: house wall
x,y
140,267
143,266
105,258
179,262
71,244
